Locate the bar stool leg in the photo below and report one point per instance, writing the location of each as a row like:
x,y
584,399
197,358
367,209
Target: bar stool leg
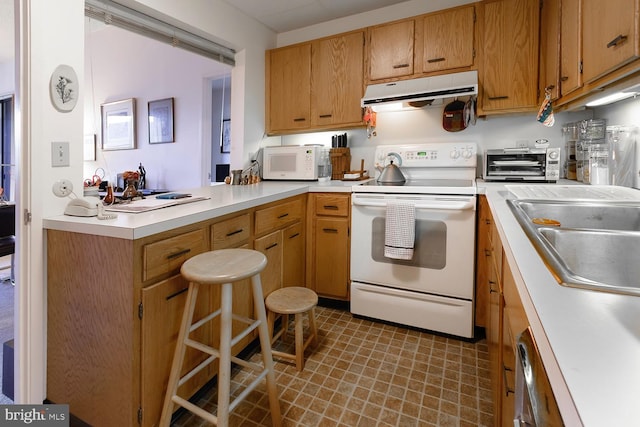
x,y
178,355
299,339
224,374
312,325
265,344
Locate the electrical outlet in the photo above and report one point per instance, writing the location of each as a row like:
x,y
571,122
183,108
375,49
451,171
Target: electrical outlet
x,y
59,154
522,144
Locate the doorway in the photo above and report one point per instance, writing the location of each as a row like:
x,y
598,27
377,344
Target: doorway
x,y
6,277
220,128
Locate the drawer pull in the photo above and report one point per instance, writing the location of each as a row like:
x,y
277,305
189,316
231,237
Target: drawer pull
x,y
175,294
618,40
491,290
506,385
178,254
564,78
330,207
487,252
487,221
271,246
330,230
325,116
496,98
235,232
294,235
299,119
400,66
431,61
283,215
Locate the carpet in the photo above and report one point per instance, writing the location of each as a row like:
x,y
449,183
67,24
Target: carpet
x,y
6,318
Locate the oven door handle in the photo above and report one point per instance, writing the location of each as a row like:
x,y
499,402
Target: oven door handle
x,y
433,204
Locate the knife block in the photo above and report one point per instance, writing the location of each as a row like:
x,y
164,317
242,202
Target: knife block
x,y
340,162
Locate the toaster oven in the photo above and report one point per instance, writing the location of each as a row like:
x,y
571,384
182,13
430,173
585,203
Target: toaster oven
x,y
522,164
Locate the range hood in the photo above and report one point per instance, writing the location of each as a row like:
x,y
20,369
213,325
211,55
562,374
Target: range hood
x,y
422,89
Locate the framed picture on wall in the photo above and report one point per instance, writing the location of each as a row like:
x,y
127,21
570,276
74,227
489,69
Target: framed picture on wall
x,y
119,125
161,121
225,143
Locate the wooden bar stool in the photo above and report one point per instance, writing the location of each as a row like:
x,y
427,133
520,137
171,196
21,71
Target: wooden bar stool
x,y
293,300
222,267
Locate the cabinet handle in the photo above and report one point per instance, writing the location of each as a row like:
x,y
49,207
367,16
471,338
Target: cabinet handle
x,y
487,252
506,386
331,207
330,230
294,235
431,61
564,78
178,254
283,215
325,116
400,66
175,294
487,221
491,290
618,40
495,98
235,232
299,119
271,246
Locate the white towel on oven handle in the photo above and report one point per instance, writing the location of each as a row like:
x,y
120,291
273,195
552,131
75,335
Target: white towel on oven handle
x,y
400,230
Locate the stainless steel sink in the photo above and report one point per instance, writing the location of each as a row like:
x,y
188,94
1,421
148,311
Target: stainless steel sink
x,y
591,245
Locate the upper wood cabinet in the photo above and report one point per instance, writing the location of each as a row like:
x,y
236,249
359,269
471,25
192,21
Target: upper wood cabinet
x,y
448,39
610,36
289,88
390,50
509,71
337,80
315,85
570,46
550,49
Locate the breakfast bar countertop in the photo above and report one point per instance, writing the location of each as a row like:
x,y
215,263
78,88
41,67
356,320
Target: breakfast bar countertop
x,y
589,341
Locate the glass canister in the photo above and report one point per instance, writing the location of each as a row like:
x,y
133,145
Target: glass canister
x,y
324,166
622,158
598,164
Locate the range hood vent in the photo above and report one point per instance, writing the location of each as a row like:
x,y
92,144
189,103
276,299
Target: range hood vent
x,y
422,89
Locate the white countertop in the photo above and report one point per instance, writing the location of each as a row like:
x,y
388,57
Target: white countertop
x,y
589,341
222,200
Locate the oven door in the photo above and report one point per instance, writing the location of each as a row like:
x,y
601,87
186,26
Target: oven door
x,y
443,258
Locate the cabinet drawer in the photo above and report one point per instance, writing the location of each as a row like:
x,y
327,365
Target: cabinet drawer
x,y
278,216
231,232
332,205
166,256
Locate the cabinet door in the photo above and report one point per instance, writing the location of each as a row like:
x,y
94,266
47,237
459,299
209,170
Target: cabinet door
x,y
337,80
289,80
550,49
293,256
391,50
331,254
448,39
510,60
610,38
570,46
271,246
162,308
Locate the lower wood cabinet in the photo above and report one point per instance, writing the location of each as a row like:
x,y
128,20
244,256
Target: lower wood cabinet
x,y
113,319
504,314
330,246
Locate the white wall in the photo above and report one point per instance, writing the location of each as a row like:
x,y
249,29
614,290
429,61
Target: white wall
x,y
148,70
7,78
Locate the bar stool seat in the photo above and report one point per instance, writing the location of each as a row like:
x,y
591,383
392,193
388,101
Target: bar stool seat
x,y
295,301
222,267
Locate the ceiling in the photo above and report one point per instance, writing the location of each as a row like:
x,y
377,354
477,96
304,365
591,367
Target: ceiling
x,y
286,15
279,15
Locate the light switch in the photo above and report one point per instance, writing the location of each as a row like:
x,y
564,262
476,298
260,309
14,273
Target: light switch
x,y
59,154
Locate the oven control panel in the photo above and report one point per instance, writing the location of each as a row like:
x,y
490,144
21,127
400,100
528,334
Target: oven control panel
x,y
437,154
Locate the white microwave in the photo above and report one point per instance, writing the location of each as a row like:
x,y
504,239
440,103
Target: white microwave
x,y
293,162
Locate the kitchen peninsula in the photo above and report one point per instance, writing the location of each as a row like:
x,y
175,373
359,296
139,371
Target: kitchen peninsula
x,y
115,295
